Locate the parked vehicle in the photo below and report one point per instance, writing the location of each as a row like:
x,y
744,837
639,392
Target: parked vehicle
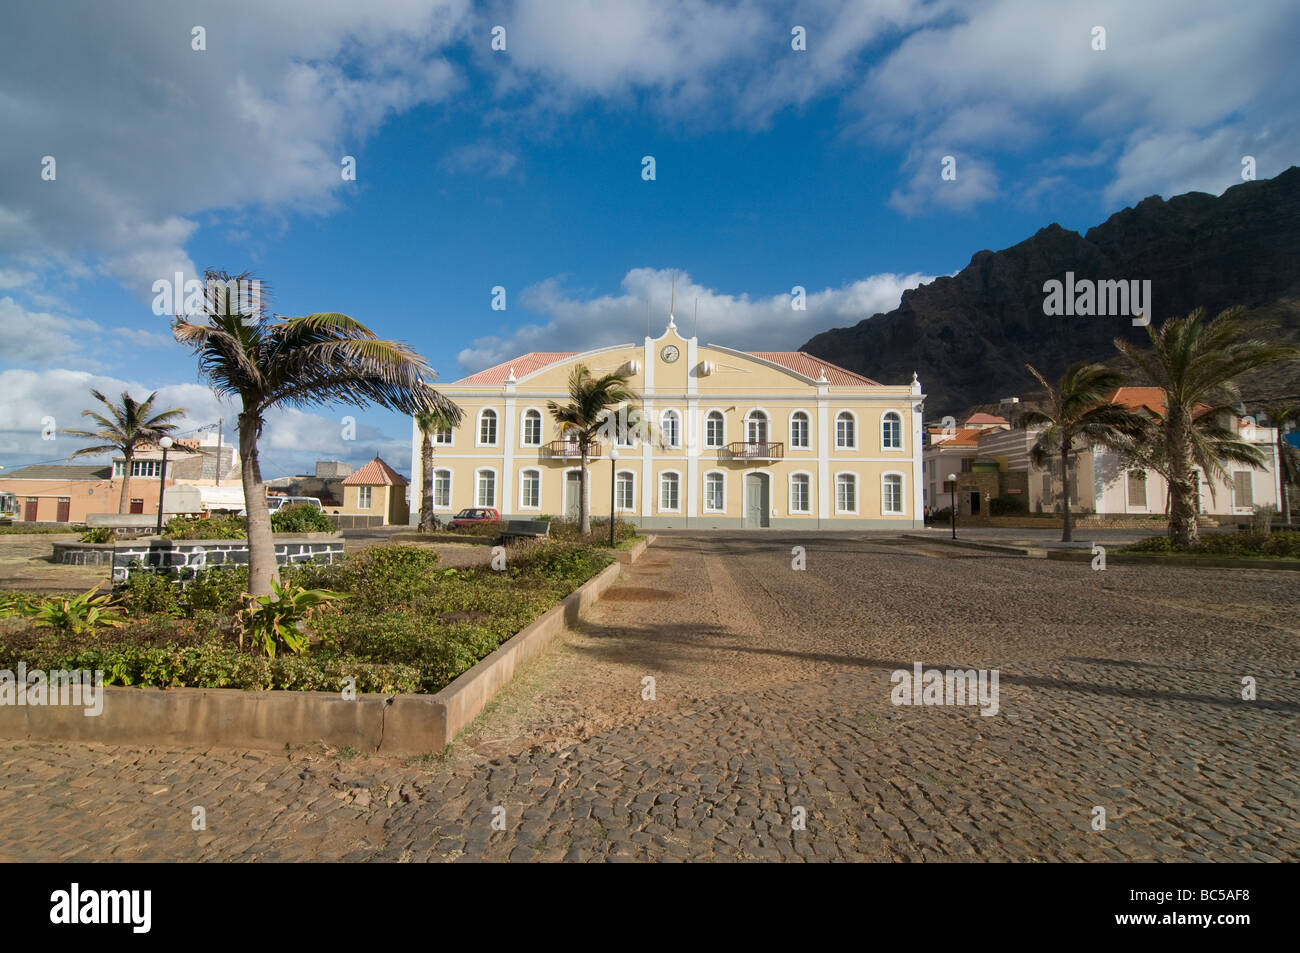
x,y
475,516
276,503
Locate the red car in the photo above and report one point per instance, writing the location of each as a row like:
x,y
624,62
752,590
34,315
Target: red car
x,y
475,516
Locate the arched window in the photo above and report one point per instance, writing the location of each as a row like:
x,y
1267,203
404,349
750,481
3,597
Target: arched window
x,y
670,425
442,489
846,493
891,431
530,489
625,491
800,493
485,493
532,431
487,430
714,429
891,494
846,431
756,427
799,430
715,500
669,491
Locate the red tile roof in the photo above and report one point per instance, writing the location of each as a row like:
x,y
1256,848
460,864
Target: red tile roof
x,y
983,418
960,438
375,473
524,364
804,363
797,361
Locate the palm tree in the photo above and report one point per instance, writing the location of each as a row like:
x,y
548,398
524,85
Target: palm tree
x,y
591,405
270,361
1196,364
130,425
1077,415
429,422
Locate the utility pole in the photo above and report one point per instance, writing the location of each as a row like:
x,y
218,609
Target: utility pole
x,y
221,422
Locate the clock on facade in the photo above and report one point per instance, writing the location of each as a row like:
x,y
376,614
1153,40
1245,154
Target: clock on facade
x,y
670,353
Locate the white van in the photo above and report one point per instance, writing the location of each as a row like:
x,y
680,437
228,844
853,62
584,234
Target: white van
x,y
276,503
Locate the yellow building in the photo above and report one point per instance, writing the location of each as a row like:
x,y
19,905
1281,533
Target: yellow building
x,y
776,439
377,491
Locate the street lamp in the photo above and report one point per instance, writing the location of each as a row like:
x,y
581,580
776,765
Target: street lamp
x,y
952,479
613,486
165,443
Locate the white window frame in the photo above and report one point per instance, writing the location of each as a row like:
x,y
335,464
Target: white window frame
x,y
619,507
751,416
523,480
852,445
902,442
496,483
478,430
902,493
676,443
438,434
451,475
659,492
1128,498
523,426
790,507
705,487
857,494
722,440
807,447
364,498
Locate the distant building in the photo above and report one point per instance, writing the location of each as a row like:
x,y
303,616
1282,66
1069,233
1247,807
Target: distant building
x,y
332,469
376,490
66,493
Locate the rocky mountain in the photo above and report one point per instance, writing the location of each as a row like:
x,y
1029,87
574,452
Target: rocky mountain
x,y
969,336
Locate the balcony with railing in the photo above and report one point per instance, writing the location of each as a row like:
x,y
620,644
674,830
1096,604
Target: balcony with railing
x,y
756,450
570,449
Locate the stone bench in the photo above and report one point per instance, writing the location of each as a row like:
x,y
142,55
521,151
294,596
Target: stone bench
x,y
525,529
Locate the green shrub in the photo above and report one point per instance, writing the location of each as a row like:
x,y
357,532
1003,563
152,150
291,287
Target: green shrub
x,y
146,592
99,534
388,575
1284,544
1008,506
278,621
215,589
301,518
215,527
75,614
1152,544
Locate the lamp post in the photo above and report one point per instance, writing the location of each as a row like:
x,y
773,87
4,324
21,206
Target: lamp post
x,y
952,479
613,487
165,443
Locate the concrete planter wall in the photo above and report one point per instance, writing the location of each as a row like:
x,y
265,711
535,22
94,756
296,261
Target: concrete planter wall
x,y
396,725
83,554
157,553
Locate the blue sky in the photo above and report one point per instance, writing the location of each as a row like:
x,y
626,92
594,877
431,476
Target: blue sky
x,y
477,168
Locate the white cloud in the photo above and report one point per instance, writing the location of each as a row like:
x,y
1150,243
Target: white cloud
x,y
756,324
480,159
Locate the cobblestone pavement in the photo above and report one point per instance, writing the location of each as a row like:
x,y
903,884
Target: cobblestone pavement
x,y
1119,690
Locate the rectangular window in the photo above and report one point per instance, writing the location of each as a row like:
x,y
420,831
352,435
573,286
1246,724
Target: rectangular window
x,y
1242,490
118,468
531,489
713,492
846,493
487,488
442,436
623,497
668,495
799,494
891,497
487,428
844,432
442,488
1137,488
532,429
363,497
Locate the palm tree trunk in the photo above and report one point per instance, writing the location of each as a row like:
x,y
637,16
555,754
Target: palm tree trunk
x,y
1282,475
426,478
1183,527
124,503
262,567
1067,524
584,518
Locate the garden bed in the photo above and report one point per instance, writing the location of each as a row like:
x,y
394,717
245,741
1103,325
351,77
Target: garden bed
x,y
405,624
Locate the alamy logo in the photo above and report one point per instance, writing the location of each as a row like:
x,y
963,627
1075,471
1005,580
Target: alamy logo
x,y
103,906
952,686
1088,298
78,687
232,296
